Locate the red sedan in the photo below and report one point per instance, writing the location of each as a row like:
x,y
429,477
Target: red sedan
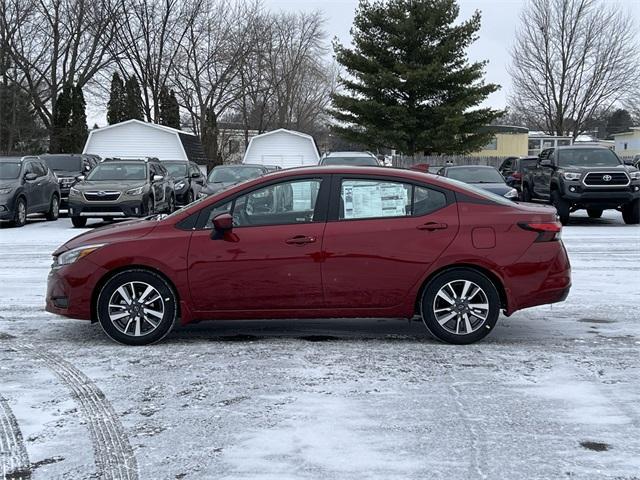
x,y
318,242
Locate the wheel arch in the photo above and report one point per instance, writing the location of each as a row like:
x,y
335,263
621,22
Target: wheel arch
x,y
491,276
112,273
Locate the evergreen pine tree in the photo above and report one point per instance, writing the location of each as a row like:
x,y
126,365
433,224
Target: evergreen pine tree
x,y
115,107
169,108
78,121
410,86
620,121
60,131
133,107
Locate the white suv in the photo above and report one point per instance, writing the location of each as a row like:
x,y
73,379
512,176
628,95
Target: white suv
x,y
364,159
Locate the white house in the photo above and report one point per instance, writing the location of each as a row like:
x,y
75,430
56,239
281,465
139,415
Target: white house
x,y
282,147
135,139
627,144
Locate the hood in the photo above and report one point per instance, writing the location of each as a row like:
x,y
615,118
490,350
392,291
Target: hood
x,y
9,183
497,188
580,168
119,185
110,234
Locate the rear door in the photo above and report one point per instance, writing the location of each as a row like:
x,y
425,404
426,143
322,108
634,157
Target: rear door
x,y
382,236
270,260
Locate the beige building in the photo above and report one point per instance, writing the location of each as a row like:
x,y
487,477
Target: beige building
x,y
508,141
627,144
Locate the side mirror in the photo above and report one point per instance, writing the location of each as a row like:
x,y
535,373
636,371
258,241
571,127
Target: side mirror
x,y
546,163
157,178
629,162
195,175
80,178
87,168
223,222
30,177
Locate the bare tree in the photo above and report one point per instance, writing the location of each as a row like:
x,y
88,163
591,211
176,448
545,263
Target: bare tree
x,y
570,59
57,42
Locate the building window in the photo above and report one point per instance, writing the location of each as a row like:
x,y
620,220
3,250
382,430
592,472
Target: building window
x,y
564,143
492,145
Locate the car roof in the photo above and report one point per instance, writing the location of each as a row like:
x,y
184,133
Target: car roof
x,y
62,155
243,165
581,147
460,167
12,159
349,154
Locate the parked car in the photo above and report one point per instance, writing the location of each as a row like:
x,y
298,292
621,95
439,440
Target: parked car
x,y
584,177
224,176
272,168
350,158
67,168
485,177
27,186
355,242
514,169
118,188
188,180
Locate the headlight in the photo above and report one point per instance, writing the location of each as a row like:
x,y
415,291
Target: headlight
x,y
74,192
179,186
632,175
513,193
70,256
571,175
135,191
4,191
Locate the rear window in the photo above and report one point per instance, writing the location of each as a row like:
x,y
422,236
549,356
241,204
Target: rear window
x,y
63,163
234,174
479,191
475,175
355,161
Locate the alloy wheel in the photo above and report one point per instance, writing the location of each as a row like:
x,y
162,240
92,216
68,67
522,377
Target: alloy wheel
x,y
461,307
22,213
136,309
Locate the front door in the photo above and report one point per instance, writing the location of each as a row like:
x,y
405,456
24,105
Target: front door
x,y
383,241
270,260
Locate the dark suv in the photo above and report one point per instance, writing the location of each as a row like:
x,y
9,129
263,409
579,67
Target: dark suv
x,y
188,180
584,177
118,188
514,169
27,186
67,167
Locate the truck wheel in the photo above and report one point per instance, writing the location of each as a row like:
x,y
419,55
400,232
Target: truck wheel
x,y
594,212
631,212
79,222
562,207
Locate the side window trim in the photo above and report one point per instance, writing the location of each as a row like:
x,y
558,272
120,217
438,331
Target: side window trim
x,y
336,189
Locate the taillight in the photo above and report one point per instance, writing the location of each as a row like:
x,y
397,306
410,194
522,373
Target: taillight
x,y
547,232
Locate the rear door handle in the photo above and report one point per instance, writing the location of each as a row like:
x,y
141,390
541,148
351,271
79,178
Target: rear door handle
x,y
300,240
431,226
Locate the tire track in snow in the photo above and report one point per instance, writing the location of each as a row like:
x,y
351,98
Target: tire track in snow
x,y
14,460
113,455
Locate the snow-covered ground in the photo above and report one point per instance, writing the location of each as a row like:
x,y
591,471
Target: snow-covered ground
x,y
553,392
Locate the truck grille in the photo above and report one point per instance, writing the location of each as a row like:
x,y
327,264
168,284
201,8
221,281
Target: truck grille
x,y
606,179
101,196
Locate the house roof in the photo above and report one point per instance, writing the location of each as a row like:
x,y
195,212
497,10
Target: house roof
x,y
284,130
632,131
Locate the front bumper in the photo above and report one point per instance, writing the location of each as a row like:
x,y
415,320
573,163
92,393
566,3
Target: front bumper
x,y
7,207
611,197
131,208
70,289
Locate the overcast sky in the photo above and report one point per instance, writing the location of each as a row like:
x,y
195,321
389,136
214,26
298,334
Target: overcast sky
x,y
500,19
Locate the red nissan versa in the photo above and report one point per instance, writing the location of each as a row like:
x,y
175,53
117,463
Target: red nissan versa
x,y
318,242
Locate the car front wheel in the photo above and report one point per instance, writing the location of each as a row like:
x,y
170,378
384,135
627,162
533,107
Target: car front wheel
x,y
460,306
562,207
79,222
20,215
137,307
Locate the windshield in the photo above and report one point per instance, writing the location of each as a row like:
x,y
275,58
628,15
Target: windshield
x,y
63,163
233,174
9,171
475,175
357,161
176,169
118,171
582,157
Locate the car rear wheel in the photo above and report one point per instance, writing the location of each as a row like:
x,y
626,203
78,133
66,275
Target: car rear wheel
x,y
594,212
79,222
561,206
631,212
54,209
171,205
460,306
20,215
137,307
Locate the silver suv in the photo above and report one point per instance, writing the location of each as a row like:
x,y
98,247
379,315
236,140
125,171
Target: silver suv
x,y
118,188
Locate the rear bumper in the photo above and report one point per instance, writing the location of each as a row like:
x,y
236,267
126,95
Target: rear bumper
x,y
107,209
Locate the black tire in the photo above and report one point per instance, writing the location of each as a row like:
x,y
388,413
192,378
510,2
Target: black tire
x,y
562,207
54,208
631,212
79,222
167,300
171,205
481,327
148,206
526,193
594,212
20,214
189,198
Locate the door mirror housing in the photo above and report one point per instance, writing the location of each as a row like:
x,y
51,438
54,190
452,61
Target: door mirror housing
x,y
30,177
157,178
195,175
223,223
80,178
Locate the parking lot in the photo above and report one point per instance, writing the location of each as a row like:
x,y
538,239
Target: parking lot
x,y
554,391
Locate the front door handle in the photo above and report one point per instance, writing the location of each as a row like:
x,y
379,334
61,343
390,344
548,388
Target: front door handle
x,y
431,226
300,240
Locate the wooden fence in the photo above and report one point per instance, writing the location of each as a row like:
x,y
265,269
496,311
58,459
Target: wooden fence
x,y
441,160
